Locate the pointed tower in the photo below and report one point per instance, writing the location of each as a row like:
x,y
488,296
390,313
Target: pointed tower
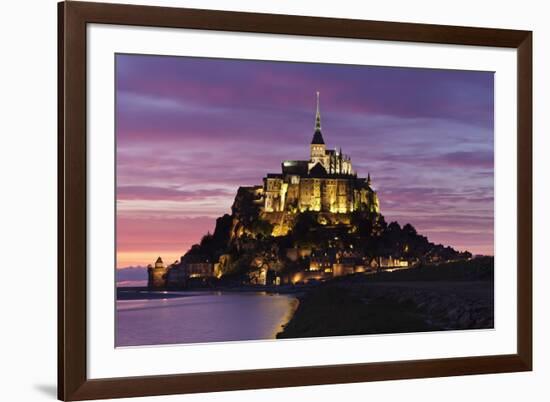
x,y
318,117
317,147
368,180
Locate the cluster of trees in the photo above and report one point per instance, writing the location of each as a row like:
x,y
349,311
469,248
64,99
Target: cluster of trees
x,y
370,234
405,242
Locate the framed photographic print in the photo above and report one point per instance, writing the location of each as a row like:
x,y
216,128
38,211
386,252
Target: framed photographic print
x,y
252,200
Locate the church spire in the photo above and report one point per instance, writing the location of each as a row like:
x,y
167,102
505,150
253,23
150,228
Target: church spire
x,y
317,137
318,115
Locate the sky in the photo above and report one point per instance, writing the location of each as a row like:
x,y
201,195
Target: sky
x,y
190,131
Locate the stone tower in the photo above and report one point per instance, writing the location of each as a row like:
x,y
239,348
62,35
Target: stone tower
x,y
317,147
157,275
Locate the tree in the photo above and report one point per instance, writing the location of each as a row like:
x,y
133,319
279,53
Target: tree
x,y
409,230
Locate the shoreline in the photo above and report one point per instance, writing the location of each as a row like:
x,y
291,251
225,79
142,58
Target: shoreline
x,y
144,293
453,296
392,307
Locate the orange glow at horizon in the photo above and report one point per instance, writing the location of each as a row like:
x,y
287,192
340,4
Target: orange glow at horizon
x,y
143,258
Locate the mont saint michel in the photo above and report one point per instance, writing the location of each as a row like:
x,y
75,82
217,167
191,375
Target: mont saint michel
x,y
315,220
323,242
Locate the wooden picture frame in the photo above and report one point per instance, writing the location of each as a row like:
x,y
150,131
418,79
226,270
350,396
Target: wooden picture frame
x,y
73,382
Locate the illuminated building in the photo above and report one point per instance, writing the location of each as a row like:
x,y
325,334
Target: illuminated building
x,y
325,183
157,275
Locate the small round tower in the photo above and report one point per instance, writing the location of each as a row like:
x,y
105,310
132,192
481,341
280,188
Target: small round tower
x,y
157,275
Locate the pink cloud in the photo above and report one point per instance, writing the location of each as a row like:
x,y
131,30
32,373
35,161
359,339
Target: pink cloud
x,y
190,131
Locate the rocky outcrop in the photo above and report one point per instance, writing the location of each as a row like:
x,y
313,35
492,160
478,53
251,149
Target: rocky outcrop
x,y
250,232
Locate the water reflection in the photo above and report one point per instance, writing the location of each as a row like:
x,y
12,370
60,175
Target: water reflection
x,y
202,317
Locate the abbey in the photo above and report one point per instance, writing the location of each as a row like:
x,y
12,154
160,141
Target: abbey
x,y
325,188
324,183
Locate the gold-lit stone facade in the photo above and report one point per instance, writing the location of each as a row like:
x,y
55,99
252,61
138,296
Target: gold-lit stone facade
x,y
326,183
157,274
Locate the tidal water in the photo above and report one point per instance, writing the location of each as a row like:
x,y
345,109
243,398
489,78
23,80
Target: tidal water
x,y
193,317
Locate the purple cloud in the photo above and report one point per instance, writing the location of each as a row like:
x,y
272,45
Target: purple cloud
x,y
191,130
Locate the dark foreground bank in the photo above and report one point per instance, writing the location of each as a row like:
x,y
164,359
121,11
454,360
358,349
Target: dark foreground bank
x,y
452,296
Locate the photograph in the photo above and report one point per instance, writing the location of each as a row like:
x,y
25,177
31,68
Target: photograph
x,y
267,200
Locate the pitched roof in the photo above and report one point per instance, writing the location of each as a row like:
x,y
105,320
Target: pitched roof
x,y
317,138
318,171
295,167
